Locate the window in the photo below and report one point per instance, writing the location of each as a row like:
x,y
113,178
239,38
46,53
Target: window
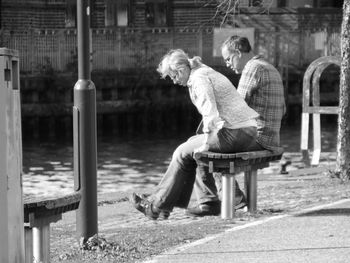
x,y
71,13
281,3
256,3
250,3
117,13
156,12
328,3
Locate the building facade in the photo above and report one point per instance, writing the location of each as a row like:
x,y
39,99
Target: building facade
x,y
128,38
126,33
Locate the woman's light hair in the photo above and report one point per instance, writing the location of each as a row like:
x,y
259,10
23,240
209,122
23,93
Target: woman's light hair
x,y
174,60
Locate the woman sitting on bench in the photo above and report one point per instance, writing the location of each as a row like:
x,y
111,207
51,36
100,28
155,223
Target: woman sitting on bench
x,y
229,125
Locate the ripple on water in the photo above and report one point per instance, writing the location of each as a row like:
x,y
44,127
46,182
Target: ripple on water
x,y
125,165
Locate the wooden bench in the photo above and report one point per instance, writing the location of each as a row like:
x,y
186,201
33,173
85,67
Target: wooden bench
x,y
228,165
39,212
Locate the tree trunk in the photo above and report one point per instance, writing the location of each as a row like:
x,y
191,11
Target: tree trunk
x,y
343,140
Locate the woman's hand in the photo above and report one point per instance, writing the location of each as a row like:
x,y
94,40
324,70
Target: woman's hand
x,y
203,148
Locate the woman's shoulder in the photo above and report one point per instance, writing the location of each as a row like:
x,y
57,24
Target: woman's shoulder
x,y
204,69
201,70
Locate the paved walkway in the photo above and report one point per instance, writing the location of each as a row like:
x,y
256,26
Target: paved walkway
x,y
317,234
320,234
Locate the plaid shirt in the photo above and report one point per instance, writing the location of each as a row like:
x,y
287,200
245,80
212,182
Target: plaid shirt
x,y
261,87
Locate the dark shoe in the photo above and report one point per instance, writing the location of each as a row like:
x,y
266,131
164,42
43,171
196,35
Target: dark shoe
x,y
144,206
240,202
164,214
206,209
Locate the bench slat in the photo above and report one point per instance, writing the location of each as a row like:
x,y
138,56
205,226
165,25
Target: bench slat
x,y
50,202
240,155
43,206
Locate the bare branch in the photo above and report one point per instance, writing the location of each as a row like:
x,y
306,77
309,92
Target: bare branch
x,y
230,7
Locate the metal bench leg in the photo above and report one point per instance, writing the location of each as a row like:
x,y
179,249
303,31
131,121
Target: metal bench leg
x,y
28,243
246,186
41,237
41,243
228,196
250,179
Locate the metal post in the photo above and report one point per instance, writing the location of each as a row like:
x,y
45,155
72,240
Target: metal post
x,y
253,185
84,122
227,199
28,241
41,243
246,186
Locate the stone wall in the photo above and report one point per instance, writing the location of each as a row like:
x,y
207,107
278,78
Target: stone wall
x,y
125,106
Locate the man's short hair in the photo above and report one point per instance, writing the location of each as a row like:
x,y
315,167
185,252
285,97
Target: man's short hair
x,y
234,43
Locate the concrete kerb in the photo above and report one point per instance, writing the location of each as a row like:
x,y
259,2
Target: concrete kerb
x,y
179,249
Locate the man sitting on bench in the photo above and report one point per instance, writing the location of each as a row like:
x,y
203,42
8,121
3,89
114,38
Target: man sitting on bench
x,y
262,88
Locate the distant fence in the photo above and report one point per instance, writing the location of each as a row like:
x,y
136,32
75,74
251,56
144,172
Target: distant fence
x,y
120,49
110,48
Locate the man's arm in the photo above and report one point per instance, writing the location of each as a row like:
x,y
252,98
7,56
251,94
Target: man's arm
x,y
249,82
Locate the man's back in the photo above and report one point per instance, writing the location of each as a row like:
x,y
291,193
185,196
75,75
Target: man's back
x,y
262,88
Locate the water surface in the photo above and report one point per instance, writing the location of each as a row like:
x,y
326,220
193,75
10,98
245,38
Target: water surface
x,y
124,164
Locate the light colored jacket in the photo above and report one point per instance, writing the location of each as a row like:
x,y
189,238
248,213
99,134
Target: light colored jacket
x,y
218,101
